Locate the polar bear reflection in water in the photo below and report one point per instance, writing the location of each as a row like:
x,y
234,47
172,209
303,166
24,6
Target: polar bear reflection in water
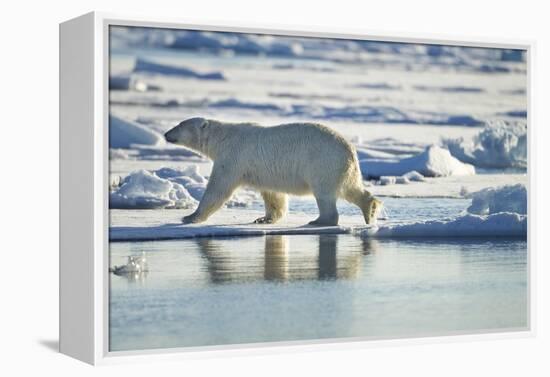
x,y
278,264
238,260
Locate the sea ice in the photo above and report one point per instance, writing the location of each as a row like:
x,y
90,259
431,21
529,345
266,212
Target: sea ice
x,y
419,57
500,211
503,224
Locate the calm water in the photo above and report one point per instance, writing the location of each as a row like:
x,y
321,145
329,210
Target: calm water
x,y
279,288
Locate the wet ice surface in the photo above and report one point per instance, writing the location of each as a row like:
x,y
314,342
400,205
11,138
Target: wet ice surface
x,y
282,288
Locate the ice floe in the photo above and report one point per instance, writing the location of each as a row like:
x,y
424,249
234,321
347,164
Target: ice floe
x,y
433,162
502,224
500,211
500,144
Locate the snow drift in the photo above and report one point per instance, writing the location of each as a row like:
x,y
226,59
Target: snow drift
x,y
124,133
433,162
500,144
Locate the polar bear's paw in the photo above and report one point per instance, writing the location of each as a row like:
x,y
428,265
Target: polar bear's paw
x,y
191,219
264,220
324,222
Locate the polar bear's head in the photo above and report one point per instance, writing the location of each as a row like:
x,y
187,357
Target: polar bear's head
x,y
188,133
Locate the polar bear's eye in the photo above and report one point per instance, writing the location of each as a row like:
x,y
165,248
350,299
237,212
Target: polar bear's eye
x,y
204,124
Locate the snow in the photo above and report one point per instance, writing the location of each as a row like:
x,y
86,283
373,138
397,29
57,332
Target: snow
x,y
500,144
433,162
152,67
124,133
500,199
502,224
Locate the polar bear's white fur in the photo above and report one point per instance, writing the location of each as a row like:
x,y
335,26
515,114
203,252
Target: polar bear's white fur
x,y
298,158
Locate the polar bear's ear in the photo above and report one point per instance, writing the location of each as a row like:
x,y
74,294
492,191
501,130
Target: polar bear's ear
x,y
204,124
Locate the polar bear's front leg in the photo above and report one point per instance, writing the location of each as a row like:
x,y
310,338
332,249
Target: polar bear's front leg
x,y
328,214
219,189
276,205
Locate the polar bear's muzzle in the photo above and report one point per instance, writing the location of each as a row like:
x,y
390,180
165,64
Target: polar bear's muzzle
x,y
170,136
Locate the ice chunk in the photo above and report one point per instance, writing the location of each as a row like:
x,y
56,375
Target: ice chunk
x,y
168,188
433,162
135,264
501,199
501,144
145,190
414,176
387,180
124,133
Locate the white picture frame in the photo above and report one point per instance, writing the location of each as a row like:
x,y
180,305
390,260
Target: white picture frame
x,y
84,190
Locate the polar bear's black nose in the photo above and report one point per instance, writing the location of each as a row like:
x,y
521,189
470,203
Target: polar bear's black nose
x,y
169,136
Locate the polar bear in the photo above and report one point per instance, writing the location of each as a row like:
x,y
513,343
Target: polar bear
x,y
296,158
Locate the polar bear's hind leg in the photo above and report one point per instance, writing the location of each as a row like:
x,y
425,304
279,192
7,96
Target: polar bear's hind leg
x,y
276,206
